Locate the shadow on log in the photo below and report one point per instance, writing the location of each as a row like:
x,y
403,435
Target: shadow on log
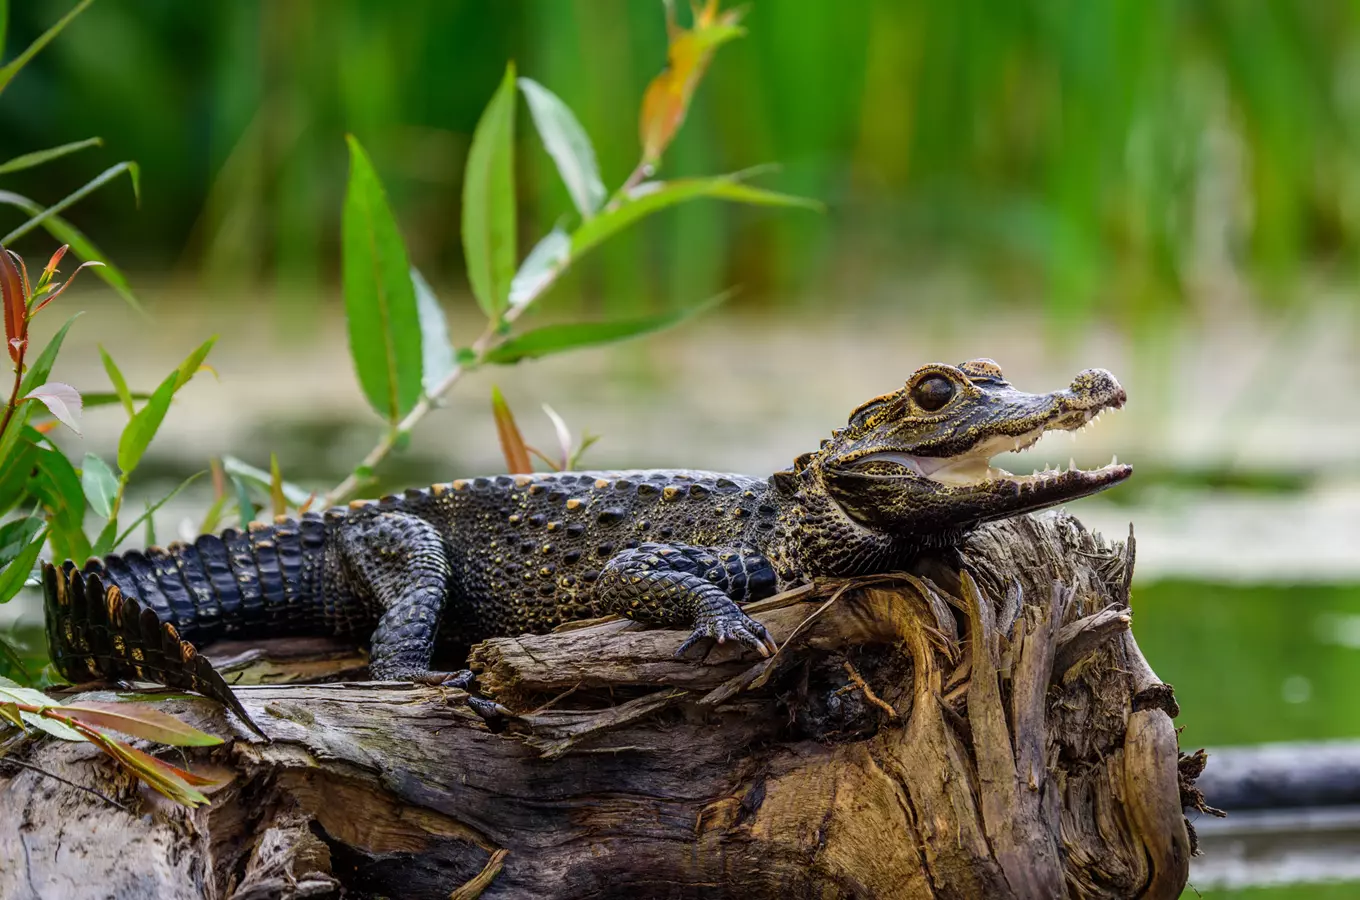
x,y
927,734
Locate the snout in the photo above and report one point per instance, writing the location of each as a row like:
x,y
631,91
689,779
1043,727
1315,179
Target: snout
x,y
1097,388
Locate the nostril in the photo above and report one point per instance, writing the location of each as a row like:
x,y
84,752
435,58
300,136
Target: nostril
x,y
1097,383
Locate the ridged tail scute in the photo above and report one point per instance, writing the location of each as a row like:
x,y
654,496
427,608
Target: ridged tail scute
x,y
96,630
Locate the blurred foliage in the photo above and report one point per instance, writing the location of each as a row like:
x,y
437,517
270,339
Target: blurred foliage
x,y
1128,150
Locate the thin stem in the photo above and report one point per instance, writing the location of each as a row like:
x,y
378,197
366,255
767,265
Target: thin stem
x,y
489,339
484,344
14,394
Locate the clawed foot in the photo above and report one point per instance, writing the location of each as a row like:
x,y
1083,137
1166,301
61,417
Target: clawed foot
x,y
464,680
730,623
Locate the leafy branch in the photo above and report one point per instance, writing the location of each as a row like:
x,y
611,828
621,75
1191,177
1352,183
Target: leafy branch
x,y
93,721
398,339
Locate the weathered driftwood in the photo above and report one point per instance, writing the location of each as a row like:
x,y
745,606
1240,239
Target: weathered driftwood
x,y
923,735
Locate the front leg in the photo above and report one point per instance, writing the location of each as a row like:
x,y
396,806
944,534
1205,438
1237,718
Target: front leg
x,y
677,584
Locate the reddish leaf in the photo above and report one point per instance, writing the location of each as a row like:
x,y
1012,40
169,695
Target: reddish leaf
x,y
667,98
51,268
169,780
65,284
512,442
138,720
15,304
62,400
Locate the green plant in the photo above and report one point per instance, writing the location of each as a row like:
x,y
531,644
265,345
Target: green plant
x,y
49,217
44,496
398,338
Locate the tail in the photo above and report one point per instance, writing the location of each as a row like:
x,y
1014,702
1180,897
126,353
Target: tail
x,y
133,615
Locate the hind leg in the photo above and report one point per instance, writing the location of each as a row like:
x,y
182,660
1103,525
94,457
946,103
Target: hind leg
x,y
398,565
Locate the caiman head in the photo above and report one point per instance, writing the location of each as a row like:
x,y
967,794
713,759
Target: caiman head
x,y
918,460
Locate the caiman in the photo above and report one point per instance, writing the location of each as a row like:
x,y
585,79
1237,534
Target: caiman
x,y
461,562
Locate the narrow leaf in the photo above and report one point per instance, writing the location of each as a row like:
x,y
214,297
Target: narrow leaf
x,y
276,486
57,485
13,66
41,367
139,720
437,360
100,484
119,382
151,509
109,398
80,193
13,576
263,480
61,400
563,435
9,712
568,145
15,304
39,157
82,246
107,538
556,338
157,773
16,535
667,98
380,301
541,267
245,508
658,195
489,202
142,427
512,442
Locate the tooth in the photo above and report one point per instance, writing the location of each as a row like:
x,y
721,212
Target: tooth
x,y
1071,464
1114,460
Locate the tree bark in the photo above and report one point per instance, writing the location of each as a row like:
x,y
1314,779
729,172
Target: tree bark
x,y
995,733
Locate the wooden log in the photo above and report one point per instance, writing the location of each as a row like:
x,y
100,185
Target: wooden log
x,y
932,734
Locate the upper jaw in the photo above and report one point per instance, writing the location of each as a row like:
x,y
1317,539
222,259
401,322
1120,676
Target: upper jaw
x,y
1091,393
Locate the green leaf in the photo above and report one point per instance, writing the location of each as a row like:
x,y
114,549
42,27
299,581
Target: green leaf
x,y
541,267
489,202
142,428
109,398
79,194
246,509
119,382
380,301
15,573
16,535
263,480
42,366
151,510
18,466
436,353
29,160
107,538
654,196
13,66
569,146
4,24
556,338
58,487
99,483
138,720
81,246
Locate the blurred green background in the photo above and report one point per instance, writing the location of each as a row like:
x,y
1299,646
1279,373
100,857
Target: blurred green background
x,y
1168,188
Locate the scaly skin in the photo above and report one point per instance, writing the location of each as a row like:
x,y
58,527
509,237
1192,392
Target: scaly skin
x,y
465,561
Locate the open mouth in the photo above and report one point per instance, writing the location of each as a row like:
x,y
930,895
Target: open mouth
x,y
974,468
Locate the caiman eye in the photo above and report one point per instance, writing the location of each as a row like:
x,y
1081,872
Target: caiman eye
x,y
933,393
